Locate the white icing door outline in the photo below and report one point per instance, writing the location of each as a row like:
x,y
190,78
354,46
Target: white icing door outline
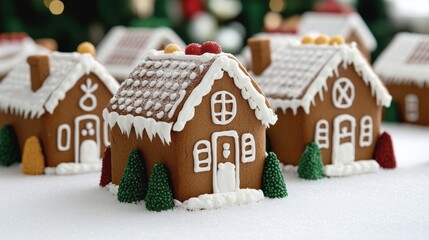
x,y
411,107
339,155
215,137
77,143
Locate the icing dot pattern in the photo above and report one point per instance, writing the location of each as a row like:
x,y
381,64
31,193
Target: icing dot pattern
x,y
293,69
156,87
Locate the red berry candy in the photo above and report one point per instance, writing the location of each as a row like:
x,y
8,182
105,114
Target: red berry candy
x,y
193,49
211,47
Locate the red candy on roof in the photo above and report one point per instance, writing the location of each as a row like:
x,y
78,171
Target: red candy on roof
x,y
207,47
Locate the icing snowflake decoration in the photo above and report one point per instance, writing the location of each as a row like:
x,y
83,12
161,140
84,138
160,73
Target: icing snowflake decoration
x,y
161,93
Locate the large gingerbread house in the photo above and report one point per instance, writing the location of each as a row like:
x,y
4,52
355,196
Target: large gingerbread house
x,y
404,68
122,48
59,98
14,48
322,93
203,117
350,25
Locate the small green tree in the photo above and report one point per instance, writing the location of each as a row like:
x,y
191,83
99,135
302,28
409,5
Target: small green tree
x,y
159,196
133,186
310,165
9,147
273,182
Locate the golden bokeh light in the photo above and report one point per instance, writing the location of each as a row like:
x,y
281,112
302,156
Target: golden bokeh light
x,y
277,5
272,20
56,7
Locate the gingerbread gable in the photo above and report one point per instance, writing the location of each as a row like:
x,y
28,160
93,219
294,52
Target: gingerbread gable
x,y
162,92
122,48
298,73
405,60
17,97
15,50
337,24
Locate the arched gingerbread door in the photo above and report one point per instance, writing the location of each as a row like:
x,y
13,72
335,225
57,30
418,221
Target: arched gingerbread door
x,y
87,138
343,144
226,162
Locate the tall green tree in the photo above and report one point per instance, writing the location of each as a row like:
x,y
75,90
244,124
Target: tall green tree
x,y
133,186
273,183
310,165
9,147
159,196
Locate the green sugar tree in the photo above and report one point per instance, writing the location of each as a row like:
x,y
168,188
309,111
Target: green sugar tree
x,y
310,165
133,185
159,196
273,183
9,147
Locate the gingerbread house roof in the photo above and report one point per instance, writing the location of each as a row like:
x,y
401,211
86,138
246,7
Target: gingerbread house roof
x,y
17,97
161,93
342,24
15,49
123,47
298,73
405,60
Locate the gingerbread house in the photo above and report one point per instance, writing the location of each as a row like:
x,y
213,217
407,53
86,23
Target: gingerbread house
x,y
14,48
123,47
59,98
349,25
202,116
324,93
404,68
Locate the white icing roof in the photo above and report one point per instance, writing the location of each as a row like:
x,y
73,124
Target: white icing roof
x,y
337,24
298,73
162,92
405,60
66,69
123,47
14,51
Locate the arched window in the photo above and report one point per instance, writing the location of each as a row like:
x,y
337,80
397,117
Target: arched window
x,y
202,156
223,107
321,136
365,138
343,93
248,148
411,108
63,131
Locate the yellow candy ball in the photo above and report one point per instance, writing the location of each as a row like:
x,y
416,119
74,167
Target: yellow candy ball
x,y
322,39
86,47
171,48
307,40
336,40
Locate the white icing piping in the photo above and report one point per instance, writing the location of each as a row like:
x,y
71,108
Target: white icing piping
x,y
152,127
347,55
241,80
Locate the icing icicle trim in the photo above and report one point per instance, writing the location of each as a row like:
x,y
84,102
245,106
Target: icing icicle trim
x,y
140,124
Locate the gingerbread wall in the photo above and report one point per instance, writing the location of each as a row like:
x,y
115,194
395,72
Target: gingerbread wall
x,y
399,93
67,111
178,157
301,128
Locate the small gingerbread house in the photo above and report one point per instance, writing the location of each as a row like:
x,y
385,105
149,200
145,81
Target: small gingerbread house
x,y
202,116
404,68
324,93
349,25
123,47
59,98
14,48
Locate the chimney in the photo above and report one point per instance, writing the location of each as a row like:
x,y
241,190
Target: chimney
x,y
39,70
261,54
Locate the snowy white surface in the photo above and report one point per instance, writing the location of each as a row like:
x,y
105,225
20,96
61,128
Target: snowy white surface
x,y
385,205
